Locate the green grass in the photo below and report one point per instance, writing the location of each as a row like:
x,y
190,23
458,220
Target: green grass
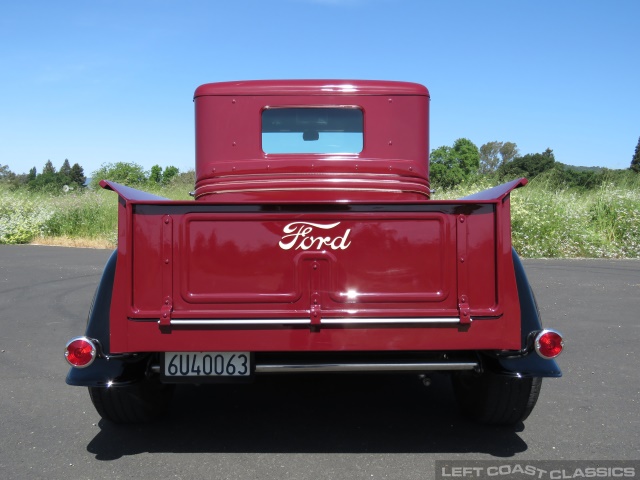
x,y
89,215
601,223
547,221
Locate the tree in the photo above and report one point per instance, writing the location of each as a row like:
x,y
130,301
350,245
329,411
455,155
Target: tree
x,y
450,166
19,180
489,160
155,176
48,168
48,180
169,174
508,151
5,173
64,174
565,176
130,174
494,154
635,161
32,174
77,175
66,168
529,166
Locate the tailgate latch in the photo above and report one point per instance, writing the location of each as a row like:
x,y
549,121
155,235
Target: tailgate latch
x,y
465,311
165,316
315,312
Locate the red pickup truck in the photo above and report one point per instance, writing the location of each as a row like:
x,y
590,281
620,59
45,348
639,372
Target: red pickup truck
x,y
312,245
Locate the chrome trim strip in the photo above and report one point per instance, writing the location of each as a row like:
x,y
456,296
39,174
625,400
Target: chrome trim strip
x,y
304,321
225,189
313,189
364,367
239,322
391,321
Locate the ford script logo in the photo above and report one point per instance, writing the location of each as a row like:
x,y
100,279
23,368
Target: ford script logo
x,y
306,235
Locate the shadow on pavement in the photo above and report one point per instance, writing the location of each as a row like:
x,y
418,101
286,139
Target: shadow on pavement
x,y
312,414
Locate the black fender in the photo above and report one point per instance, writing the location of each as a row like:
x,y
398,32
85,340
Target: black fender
x,y
528,363
106,370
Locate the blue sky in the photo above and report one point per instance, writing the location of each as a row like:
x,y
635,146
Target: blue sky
x,y
112,80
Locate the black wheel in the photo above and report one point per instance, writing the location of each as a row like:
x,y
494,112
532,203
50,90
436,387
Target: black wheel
x,y
137,403
495,399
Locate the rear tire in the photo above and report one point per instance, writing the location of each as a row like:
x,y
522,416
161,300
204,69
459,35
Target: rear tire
x,y
138,403
495,399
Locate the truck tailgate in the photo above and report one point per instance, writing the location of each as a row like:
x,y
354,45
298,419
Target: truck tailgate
x,y
196,276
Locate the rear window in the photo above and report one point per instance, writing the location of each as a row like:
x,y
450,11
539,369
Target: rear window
x,y
312,130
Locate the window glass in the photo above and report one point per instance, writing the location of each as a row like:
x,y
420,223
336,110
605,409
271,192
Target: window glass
x,y
312,130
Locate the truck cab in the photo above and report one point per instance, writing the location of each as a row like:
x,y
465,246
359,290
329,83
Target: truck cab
x,y
300,141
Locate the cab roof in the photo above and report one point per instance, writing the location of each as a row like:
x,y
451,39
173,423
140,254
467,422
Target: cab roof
x,y
311,87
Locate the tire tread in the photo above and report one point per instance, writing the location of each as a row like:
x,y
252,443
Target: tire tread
x,y
138,403
494,399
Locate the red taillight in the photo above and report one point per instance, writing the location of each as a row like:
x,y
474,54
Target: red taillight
x,y
549,344
80,352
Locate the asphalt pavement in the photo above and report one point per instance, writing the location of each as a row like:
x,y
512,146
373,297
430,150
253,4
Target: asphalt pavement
x,y
364,427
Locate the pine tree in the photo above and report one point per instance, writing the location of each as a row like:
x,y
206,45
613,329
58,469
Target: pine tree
x,y
48,168
635,161
64,174
77,175
66,168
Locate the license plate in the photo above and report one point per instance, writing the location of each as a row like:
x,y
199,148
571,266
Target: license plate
x,y
207,364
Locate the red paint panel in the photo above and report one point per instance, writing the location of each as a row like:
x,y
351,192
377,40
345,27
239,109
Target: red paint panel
x,y
148,264
393,260
226,265
235,261
228,138
230,265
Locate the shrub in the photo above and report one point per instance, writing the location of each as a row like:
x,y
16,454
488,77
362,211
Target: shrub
x,y
549,220
130,174
92,214
22,218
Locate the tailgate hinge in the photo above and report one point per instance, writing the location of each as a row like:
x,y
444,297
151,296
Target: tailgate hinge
x,y
167,274
462,270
